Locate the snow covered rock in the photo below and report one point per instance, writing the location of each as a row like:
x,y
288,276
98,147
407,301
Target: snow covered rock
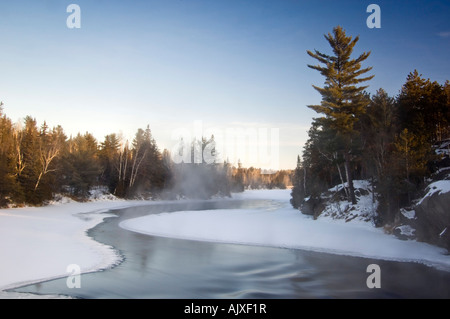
x,y
404,232
433,215
443,148
313,206
334,204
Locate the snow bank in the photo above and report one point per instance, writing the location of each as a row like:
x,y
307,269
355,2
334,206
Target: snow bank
x,y
283,226
38,243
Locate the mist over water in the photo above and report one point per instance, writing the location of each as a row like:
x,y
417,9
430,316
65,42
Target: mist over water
x,y
201,181
196,176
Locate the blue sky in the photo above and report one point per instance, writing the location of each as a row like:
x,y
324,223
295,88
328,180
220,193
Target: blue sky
x,y
226,63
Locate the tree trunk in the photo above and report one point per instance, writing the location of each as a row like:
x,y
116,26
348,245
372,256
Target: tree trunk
x,y
342,180
38,180
373,190
304,180
348,174
135,168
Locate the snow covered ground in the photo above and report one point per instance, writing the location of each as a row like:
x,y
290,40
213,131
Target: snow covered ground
x,y
39,243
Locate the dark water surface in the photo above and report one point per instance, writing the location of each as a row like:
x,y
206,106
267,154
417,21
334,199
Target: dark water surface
x,y
155,267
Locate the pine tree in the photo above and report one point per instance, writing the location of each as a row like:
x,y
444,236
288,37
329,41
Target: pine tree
x,y
109,159
423,107
298,181
446,130
413,159
28,161
343,101
379,130
8,185
147,172
81,164
318,152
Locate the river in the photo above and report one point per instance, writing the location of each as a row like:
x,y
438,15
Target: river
x,y
156,267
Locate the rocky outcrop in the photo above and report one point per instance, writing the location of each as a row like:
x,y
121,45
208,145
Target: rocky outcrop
x,y
313,207
433,219
334,203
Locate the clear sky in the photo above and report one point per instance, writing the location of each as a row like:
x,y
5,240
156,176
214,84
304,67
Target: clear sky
x,y
226,63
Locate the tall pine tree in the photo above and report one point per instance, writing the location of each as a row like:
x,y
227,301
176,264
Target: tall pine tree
x,y
343,101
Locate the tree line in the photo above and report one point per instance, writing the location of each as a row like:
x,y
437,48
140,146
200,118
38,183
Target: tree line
x,y
37,162
256,178
388,140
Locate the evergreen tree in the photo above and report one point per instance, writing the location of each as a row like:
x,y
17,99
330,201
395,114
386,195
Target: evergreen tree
x,y
423,108
109,158
28,160
298,189
8,185
327,142
379,129
317,155
81,164
413,159
446,130
152,170
147,173
343,101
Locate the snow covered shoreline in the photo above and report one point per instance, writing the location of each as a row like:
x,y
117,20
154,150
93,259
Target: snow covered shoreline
x,y
39,243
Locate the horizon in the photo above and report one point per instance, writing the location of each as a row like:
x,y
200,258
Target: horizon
x,y
227,64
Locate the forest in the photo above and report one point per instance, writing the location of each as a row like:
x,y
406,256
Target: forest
x,y
388,140
37,162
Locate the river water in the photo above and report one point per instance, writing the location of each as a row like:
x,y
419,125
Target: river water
x,y
156,267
